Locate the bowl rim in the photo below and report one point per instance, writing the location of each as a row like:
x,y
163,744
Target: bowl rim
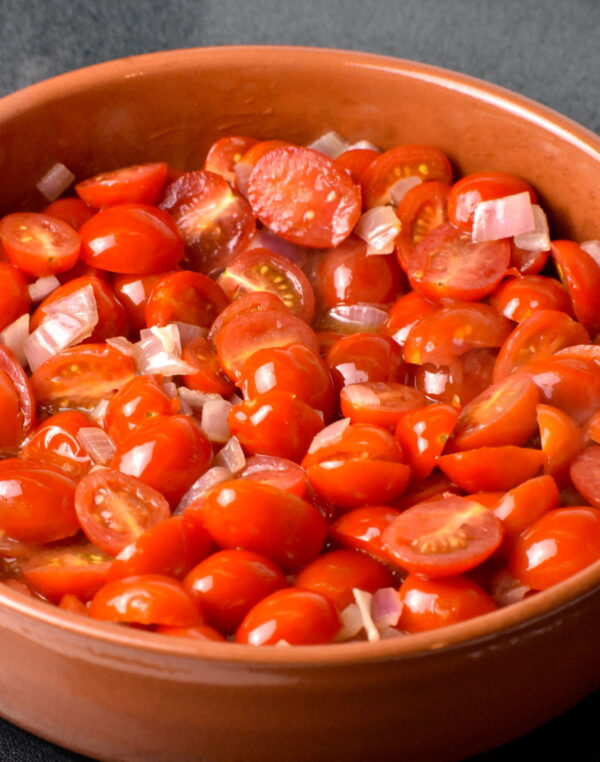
x,y
531,612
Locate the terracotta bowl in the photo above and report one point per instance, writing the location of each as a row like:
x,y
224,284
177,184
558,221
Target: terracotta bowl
x,y
120,694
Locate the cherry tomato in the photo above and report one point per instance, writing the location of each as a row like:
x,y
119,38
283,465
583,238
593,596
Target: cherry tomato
x,y
215,223
362,529
73,211
133,292
423,433
433,487
39,244
428,604
524,504
263,519
250,159
406,313
140,184
364,357
448,264
11,432
585,474
561,439
491,469
425,162
167,453
558,545
592,428
304,197
81,376
139,399
207,376
422,209
14,299
471,189
336,573
187,297
55,442
200,632
378,402
278,472
225,153
145,599
442,538
467,377
229,583
581,276
298,617
78,569
72,603
275,423
355,161
527,262
138,239
520,298
253,301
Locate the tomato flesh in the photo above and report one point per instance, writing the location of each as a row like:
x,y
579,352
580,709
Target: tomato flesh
x,y
38,244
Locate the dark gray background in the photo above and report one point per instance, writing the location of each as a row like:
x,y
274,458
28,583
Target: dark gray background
x,y
546,49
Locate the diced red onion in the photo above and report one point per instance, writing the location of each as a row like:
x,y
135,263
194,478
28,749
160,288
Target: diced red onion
x,y
331,144
593,249
507,590
97,444
55,182
214,420
135,291
231,456
189,332
348,318
363,145
123,345
351,623
329,435
537,239
160,352
243,170
466,205
170,389
196,399
363,601
379,227
400,188
503,217
99,412
42,287
264,378
386,607
134,461
14,336
201,486
361,396
266,239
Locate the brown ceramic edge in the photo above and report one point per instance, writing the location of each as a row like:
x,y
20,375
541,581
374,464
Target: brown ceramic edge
x,y
525,613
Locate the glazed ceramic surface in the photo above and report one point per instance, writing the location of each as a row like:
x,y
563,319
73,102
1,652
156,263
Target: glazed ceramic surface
x,y
121,694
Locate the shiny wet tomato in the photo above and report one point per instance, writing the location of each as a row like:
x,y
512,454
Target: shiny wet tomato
x,y
253,301
11,432
199,632
249,160
433,487
527,262
422,209
362,528
185,297
207,376
423,434
133,292
39,244
139,184
14,298
304,197
73,211
491,469
378,402
558,545
405,313
145,599
468,376
585,474
581,276
278,472
561,439
229,583
519,298
428,604
524,504
295,616
225,153
442,538
266,520
355,161
215,223
364,357
137,239
138,400
55,442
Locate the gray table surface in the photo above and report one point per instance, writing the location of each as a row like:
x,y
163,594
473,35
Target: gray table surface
x,y
548,50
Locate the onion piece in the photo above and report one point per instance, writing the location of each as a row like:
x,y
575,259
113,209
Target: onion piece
x,y
97,443
330,143
208,480
123,345
214,420
160,352
242,171
170,389
189,332
15,335
466,205
266,239
329,435
386,608
593,249
196,399
352,623
353,318
400,188
379,227
537,239
503,217
98,414
231,456
363,601
55,182
361,396
42,287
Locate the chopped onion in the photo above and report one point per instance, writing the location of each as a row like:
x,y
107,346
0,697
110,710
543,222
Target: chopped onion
x,y
189,332
363,601
55,182
265,378
593,249
134,461
196,399
14,336
243,170
99,412
201,486
379,227
361,396
123,345
503,217
329,435
160,352
352,623
351,318
214,420
363,145
507,590
97,443
231,456
400,188
537,239
331,144
266,239
42,287
170,389
386,607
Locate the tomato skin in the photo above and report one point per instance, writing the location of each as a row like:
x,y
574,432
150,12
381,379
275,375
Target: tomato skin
x,y
304,197
520,298
491,469
73,211
225,153
145,599
133,291
275,423
428,604
363,358
55,442
362,529
581,276
140,399
442,538
166,452
558,545
38,244
379,403
336,573
405,313
299,617
72,603
229,583
10,415
37,502
524,504
187,297
355,161
585,474
14,299
139,184
137,239
201,632
422,209
433,487
207,376
253,301
423,434
263,519
562,440
467,376
278,472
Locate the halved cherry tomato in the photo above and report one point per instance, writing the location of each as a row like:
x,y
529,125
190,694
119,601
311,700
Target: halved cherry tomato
x,y
491,469
139,184
295,616
166,452
39,244
558,545
225,153
428,604
562,440
254,301
364,357
138,239
215,223
336,573
379,402
448,264
145,599
304,197
14,299
581,276
81,376
355,161
139,399
200,632
133,292
405,313
11,432
527,262
519,298
524,504
442,538
72,603
379,177
207,375
538,336
362,528
433,487
592,428
250,159
278,472
468,376
266,520
585,474
79,569
187,297
423,434
55,442
421,210
229,583
275,423
73,211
